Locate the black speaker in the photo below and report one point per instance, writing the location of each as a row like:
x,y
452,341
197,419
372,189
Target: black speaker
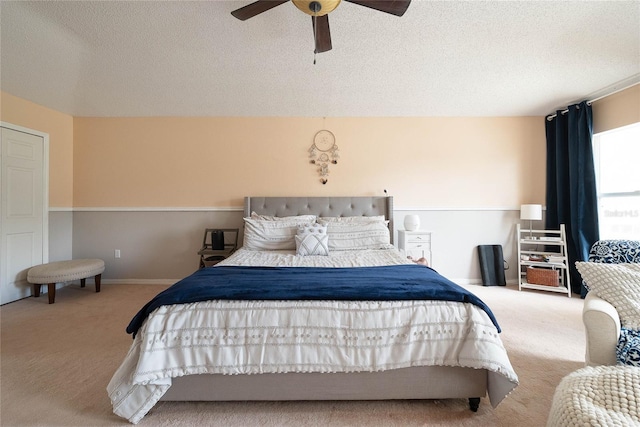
x,y
491,265
217,240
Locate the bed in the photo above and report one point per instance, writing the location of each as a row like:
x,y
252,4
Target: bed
x,y
405,332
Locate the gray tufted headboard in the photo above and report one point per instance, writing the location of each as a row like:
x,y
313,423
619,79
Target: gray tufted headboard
x,y
322,206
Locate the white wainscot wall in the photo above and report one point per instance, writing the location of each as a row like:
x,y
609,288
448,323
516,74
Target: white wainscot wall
x,y
161,245
457,233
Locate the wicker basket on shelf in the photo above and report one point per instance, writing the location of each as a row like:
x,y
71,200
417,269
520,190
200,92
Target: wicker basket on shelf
x,y
543,276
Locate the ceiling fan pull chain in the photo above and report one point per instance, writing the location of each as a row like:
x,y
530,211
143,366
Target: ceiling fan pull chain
x,y
315,34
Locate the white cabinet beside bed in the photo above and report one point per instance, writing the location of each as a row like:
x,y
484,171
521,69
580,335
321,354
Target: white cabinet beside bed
x,y
416,244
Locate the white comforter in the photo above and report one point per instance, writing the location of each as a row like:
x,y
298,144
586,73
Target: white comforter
x,y
252,337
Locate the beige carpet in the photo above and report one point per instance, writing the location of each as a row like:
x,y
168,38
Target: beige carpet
x,y
56,361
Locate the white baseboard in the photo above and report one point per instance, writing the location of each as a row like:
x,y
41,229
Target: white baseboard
x,y
479,282
463,282
163,282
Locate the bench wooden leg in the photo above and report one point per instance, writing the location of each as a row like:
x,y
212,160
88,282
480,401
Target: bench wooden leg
x,y
52,292
83,282
36,290
98,277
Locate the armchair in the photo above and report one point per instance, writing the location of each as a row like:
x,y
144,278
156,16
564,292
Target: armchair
x,y
600,318
605,395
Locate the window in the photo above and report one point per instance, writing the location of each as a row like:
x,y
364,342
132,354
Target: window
x,y
616,156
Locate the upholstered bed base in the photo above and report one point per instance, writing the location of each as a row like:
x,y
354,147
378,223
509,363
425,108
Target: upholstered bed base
x,y
428,382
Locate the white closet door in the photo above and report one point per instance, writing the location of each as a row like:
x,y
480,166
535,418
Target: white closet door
x,y
22,211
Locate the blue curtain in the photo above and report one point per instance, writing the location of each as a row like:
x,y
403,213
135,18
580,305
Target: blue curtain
x,y
571,184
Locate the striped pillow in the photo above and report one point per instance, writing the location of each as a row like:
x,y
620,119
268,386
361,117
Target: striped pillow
x,y
360,218
260,235
357,235
307,218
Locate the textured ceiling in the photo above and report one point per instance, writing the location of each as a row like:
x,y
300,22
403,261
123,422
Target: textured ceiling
x,y
442,58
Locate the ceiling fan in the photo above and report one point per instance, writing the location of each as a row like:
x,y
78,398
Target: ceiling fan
x,y
319,10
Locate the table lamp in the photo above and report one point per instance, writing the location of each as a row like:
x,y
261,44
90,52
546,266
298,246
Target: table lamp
x,y
411,222
531,213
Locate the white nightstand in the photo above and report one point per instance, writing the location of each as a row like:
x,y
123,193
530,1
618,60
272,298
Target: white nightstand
x,y
416,244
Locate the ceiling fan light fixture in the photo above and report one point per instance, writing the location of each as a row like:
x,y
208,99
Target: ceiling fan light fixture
x,y
319,11
310,7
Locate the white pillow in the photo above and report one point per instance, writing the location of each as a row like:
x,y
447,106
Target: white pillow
x,y
352,218
270,235
312,239
306,218
618,284
357,235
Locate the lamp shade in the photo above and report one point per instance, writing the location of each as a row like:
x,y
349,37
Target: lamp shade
x,y
411,222
531,212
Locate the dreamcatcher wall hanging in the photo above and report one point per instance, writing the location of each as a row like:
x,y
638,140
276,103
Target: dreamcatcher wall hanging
x,y
324,152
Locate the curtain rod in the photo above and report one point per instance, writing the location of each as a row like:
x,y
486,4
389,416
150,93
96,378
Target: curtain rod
x,y
553,116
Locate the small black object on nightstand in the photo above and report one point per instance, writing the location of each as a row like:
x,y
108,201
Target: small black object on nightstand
x,y
217,244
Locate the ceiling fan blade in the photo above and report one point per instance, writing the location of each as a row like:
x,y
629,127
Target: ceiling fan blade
x,y
256,8
321,33
394,7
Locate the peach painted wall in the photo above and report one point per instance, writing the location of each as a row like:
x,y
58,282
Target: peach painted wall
x,y
59,126
617,110
214,162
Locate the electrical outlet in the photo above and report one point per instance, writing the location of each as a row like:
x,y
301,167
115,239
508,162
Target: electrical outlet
x,y
117,253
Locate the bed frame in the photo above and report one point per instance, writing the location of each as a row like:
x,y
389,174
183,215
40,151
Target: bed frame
x,y
424,382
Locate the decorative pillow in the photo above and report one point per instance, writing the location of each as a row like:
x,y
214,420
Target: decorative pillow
x,y
615,251
306,218
357,235
619,285
352,218
628,349
312,239
270,235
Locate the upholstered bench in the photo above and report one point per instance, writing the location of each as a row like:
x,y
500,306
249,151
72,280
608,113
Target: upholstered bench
x,y
64,271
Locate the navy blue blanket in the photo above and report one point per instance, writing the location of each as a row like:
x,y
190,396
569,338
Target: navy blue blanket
x,y
385,283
